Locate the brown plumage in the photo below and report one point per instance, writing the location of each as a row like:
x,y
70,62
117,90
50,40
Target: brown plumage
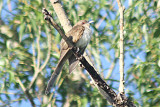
x,y
80,35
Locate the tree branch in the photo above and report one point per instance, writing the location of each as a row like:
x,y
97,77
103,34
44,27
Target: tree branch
x,y
49,18
38,50
26,92
65,23
36,67
121,59
48,53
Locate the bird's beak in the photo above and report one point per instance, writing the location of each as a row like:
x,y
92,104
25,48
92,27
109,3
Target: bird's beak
x,y
91,21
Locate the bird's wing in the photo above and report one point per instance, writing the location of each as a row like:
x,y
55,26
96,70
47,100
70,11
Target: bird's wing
x,y
76,33
64,47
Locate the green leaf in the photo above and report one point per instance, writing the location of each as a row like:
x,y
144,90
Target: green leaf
x,y
11,76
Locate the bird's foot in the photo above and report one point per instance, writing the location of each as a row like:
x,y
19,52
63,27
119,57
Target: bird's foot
x,y
76,50
79,56
70,38
81,65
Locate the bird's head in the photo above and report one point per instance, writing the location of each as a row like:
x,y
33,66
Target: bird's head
x,y
83,23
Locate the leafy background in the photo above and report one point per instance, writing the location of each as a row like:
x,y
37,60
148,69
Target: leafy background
x,y
29,45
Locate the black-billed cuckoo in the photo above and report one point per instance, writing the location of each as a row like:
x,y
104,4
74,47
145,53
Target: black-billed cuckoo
x,y
81,36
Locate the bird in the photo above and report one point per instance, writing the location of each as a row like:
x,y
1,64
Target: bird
x,y
80,36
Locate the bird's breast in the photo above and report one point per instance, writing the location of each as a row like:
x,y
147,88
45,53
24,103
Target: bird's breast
x,y
85,39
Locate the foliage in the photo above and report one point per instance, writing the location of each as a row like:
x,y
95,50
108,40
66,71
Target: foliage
x,y
29,45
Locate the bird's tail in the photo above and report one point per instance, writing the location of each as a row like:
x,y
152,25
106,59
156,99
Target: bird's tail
x,y
57,70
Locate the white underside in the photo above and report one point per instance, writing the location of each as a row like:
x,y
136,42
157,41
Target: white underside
x,y
85,39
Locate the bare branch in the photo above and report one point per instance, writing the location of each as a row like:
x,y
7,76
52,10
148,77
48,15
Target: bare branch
x,y
110,69
38,50
26,92
36,67
34,57
121,59
65,23
48,53
121,96
33,79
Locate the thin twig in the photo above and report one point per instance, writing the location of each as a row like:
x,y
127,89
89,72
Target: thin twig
x,y
100,21
33,79
121,59
36,67
38,51
48,53
110,70
34,57
21,84
26,92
